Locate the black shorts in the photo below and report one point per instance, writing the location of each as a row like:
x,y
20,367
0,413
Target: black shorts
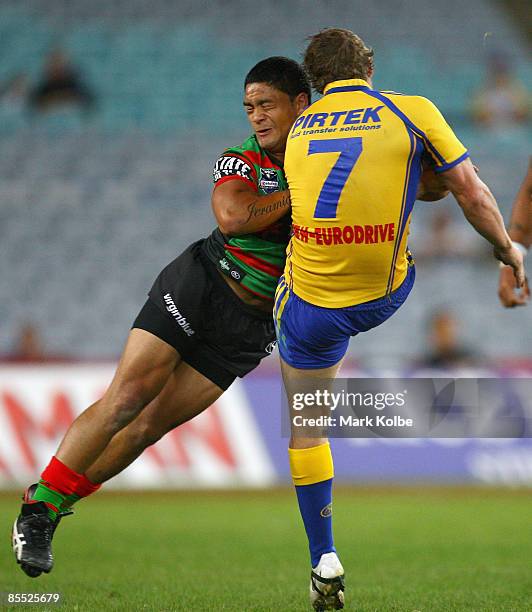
x,y
193,309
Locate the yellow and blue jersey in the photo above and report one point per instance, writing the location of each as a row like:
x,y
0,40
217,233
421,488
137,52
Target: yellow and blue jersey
x,y
353,164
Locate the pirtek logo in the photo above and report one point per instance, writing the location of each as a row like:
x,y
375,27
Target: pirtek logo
x,y
359,234
349,117
180,319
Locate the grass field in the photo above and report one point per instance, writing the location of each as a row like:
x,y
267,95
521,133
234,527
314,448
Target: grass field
x,y
404,550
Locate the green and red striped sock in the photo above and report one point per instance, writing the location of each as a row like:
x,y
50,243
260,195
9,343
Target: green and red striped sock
x,y
60,487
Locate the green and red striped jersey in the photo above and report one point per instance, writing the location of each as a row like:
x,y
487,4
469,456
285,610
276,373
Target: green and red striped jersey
x,y
256,261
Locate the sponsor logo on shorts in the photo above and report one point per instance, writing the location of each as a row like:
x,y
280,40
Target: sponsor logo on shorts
x,y
327,511
179,318
270,347
268,180
229,268
229,165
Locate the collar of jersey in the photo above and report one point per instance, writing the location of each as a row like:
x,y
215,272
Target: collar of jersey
x,y
346,85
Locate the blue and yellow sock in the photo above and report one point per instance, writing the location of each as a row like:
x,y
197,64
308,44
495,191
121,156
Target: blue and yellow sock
x,y
312,473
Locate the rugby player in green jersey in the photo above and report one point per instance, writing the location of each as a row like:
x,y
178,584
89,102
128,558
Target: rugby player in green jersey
x,y
208,319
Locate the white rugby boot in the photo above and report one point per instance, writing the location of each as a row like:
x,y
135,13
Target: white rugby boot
x,y
327,584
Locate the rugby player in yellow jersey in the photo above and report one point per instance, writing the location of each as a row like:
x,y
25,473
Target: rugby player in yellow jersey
x,y
353,163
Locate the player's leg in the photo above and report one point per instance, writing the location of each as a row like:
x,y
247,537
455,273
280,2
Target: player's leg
x,y
311,348
144,368
186,394
234,338
143,371
312,469
312,341
153,350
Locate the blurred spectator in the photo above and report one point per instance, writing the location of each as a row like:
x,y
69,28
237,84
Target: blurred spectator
x,y
29,348
503,99
445,348
60,85
444,238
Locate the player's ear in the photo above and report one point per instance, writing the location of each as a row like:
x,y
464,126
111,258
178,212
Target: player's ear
x,y
301,102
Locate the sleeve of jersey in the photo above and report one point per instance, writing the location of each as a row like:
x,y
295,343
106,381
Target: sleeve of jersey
x,y
439,139
234,166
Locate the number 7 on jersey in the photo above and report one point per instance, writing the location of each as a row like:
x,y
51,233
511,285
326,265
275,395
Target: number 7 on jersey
x,y
350,150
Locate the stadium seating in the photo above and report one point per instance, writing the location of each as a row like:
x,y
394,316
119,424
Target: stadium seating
x,y
91,207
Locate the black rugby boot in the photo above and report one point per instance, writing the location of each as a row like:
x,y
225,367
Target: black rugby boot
x,y
32,535
32,539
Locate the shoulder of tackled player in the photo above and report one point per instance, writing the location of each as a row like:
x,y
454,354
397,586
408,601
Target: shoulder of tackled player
x,y
234,162
410,102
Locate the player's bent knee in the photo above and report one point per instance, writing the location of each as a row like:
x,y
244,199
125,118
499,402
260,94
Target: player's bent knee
x,y
124,405
148,432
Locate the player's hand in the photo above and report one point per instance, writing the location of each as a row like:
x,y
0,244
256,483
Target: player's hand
x,y
510,298
514,258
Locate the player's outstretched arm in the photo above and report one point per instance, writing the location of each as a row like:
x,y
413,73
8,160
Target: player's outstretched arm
x,y
239,209
520,231
481,210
